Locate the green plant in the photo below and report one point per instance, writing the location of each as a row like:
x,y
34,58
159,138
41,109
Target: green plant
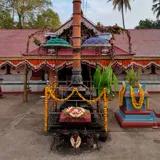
x,y
133,77
97,76
105,80
37,42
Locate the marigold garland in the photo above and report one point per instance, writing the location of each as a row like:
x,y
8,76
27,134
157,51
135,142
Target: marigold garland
x,y
105,110
137,105
49,93
121,94
46,111
73,91
147,103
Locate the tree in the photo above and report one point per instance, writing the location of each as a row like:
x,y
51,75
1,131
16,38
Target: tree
x,y
48,19
24,7
28,13
156,8
121,4
4,4
8,4
5,19
148,24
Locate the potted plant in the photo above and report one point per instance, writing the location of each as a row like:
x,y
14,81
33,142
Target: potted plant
x,y
134,77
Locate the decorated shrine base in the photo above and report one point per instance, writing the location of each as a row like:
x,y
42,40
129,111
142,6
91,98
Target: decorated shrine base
x,y
137,118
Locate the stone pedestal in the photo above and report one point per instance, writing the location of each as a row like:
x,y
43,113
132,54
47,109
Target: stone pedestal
x,y
129,117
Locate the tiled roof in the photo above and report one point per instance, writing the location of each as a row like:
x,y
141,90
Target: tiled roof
x,y
13,42
145,42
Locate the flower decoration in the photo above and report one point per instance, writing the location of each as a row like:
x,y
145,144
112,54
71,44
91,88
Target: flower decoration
x,y
137,105
75,112
121,94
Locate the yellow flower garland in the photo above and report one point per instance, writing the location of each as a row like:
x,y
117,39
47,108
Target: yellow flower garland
x,y
49,93
105,110
147,103
121,94
137,105
46,111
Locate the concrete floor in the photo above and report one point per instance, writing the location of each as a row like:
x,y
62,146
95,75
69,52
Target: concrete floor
x,y
21,135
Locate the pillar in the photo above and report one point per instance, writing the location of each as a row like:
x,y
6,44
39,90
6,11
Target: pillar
x,y
52,76
76,76
53,81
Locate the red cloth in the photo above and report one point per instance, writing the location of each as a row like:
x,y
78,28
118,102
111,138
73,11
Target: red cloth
x,y
66,118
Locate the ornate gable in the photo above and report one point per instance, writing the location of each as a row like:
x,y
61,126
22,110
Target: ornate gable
x,y
65,31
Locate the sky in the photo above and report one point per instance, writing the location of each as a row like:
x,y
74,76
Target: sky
x,y
101,11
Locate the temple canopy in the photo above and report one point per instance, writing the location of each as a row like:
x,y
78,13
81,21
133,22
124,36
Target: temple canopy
x,y
96,42
56,43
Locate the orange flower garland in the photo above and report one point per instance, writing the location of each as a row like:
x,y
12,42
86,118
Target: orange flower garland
x,y
147,102
105,110
121,94
137,105
46,110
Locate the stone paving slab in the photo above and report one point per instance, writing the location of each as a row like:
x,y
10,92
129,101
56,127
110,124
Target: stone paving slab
x,y
21,135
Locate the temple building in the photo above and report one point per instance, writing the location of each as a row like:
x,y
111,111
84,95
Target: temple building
x,y
23,57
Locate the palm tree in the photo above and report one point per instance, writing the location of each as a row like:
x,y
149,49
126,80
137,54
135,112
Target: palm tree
x,y
156,8
121,4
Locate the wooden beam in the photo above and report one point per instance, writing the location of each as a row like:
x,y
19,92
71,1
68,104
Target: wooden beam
x,y
52,75
25,95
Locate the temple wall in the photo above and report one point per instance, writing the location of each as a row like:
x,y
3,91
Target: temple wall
x,y
16,74
151,77
121,77
158,70
14,82
151,80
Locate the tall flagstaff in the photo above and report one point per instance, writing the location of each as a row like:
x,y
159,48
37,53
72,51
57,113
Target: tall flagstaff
x,y
76,76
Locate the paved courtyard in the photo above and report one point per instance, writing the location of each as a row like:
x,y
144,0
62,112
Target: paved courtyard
x,y
21,136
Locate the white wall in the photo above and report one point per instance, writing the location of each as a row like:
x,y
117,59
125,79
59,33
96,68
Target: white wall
x,y
14,82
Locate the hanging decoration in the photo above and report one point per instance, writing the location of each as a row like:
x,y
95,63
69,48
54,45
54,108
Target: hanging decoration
x,y
105,110
75,141
121,94
137,105
50,94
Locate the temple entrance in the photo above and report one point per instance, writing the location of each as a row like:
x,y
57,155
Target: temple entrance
x,y
87,74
